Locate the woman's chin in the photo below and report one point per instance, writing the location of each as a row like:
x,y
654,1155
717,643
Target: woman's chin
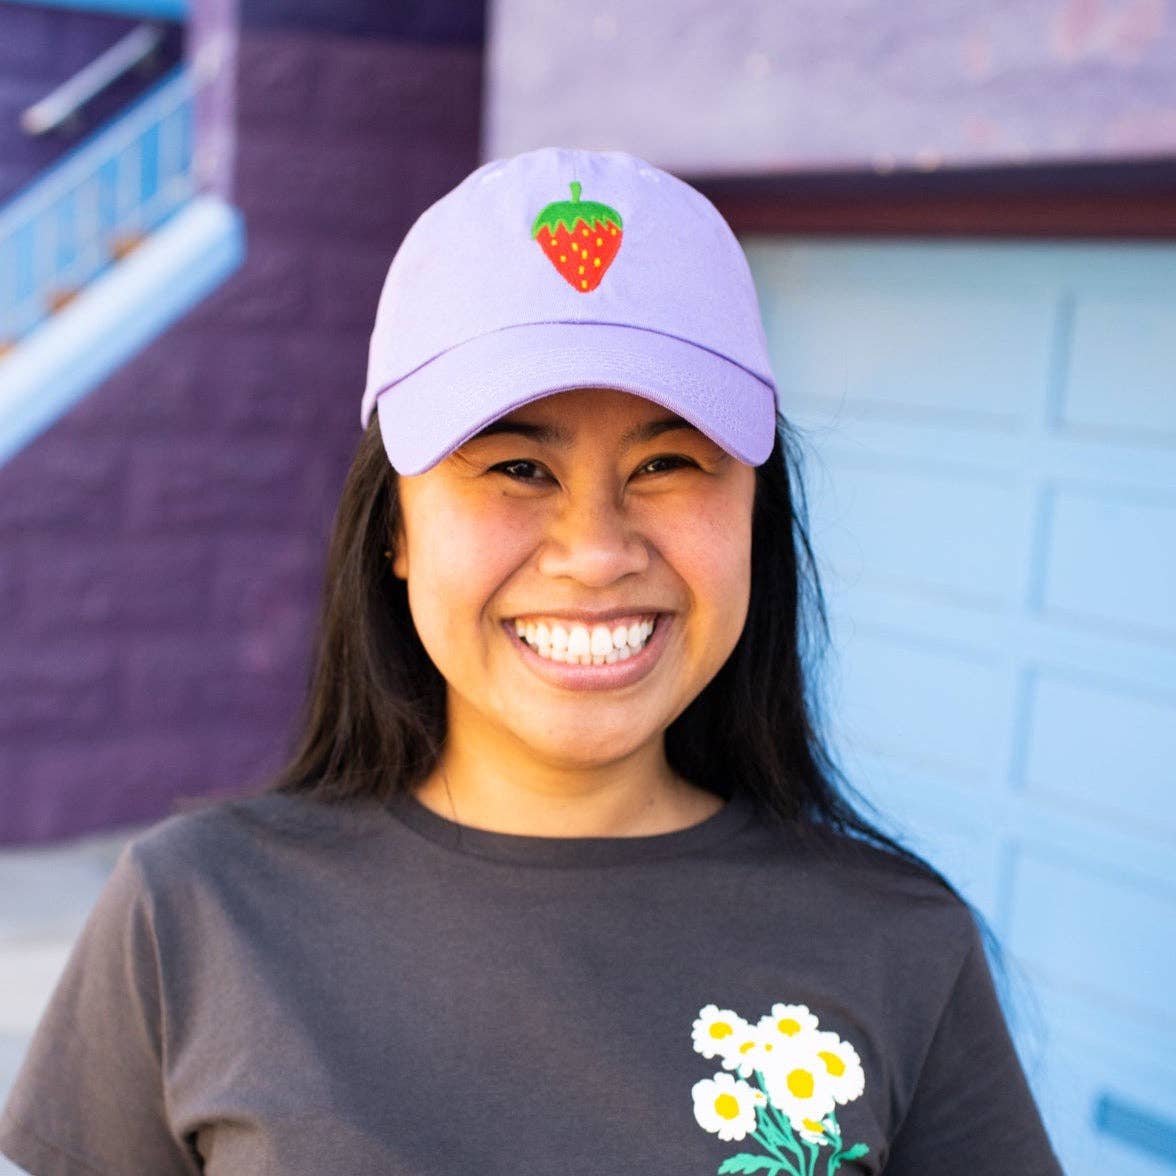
x,y
569,751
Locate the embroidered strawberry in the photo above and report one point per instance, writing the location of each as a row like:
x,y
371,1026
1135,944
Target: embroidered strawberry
x,y
579,239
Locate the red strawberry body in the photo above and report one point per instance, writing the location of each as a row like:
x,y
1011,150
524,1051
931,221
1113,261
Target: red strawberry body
x,y
579,238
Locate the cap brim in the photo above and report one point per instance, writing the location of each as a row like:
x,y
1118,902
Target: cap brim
x,y
433,410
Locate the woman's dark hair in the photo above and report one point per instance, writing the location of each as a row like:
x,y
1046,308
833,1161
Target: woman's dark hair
x,y
374,719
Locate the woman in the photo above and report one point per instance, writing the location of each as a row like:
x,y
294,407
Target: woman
x,y
558,878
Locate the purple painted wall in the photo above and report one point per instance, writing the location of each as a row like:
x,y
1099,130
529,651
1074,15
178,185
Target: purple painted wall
x,y
755,86
161,546
39,49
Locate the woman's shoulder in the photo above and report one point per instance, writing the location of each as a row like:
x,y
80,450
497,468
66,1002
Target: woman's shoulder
x,y
210,837
857,884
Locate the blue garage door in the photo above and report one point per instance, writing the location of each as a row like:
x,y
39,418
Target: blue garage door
x,y
991,441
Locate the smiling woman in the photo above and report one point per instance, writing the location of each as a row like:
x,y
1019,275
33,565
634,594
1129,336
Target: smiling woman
x,y
560,876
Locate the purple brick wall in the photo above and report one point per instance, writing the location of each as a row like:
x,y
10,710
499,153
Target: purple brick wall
x,y
161,546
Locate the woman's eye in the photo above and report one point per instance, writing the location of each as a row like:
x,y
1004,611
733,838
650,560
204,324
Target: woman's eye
x,y
673,459
509,468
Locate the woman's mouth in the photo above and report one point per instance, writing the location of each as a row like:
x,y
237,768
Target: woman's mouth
x,y
597,657
589,645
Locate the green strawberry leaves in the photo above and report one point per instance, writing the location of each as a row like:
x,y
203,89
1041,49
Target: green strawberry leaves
x,y
567,212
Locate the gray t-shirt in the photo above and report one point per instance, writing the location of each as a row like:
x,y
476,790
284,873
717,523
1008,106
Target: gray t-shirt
x,y
279,986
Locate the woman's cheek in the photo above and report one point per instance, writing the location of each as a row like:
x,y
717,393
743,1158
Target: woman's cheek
x,y
484,546
716,537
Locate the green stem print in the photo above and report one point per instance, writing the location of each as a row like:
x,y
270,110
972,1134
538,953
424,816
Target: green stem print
x,y
781,1131
791,1078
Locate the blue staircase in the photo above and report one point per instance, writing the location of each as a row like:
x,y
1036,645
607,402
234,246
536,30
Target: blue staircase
x,y
101,254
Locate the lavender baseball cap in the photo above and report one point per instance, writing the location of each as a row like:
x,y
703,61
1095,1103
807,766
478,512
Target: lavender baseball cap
x,y
557,269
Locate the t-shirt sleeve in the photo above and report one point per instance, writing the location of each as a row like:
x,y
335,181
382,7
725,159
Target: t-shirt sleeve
x,y
89,1099
972,1113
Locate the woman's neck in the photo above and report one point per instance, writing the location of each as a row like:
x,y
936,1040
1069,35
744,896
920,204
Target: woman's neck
x,y
637,796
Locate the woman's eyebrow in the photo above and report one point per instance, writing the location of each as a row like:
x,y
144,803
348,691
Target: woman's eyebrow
x,y
554,435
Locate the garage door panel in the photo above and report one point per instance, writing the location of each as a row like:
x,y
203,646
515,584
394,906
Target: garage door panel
x,y
903,351
1102,747
1127,344
936,530
1060,904
1111,557
1133,1137
1112,1110
923,706
990,442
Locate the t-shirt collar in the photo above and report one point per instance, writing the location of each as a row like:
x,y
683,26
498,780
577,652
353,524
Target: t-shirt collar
x,y
524,849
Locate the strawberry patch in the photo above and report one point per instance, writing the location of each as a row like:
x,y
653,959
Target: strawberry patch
x,y
579,238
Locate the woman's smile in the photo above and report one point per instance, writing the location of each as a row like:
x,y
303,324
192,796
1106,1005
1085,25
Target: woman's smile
x,y
585,641
564,664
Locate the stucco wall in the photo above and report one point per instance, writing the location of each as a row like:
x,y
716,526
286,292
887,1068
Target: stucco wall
x,y
749,86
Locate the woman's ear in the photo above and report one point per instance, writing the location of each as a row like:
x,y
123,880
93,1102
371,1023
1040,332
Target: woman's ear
x,y
400,554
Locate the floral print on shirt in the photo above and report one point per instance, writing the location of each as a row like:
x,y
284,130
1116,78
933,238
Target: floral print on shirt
x,y
791,1077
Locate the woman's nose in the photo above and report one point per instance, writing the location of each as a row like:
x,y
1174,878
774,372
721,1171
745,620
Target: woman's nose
x,y
595,539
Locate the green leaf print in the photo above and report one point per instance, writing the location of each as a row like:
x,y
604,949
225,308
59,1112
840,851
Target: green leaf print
x,y
744,1162
850,1153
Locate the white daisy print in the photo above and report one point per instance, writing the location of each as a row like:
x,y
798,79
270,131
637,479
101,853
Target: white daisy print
x,y
744,1052
792,1077
842,1066
812,1132
715,1029
789,1020
797,1084
726,1107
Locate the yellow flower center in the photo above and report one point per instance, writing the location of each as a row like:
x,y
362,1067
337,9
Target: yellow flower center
x,y
833,1063
800,1083
789,1026
814,1126
726,1106
721,1029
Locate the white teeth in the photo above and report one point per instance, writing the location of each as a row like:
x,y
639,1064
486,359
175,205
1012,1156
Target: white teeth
x,y
601,640
580,645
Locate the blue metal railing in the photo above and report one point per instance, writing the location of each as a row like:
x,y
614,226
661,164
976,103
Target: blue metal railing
x,y
176,10
95,206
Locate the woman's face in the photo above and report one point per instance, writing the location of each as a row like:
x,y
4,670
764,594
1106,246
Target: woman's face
x,y
562,508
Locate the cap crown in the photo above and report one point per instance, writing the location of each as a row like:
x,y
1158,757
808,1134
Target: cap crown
x,y
496,252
